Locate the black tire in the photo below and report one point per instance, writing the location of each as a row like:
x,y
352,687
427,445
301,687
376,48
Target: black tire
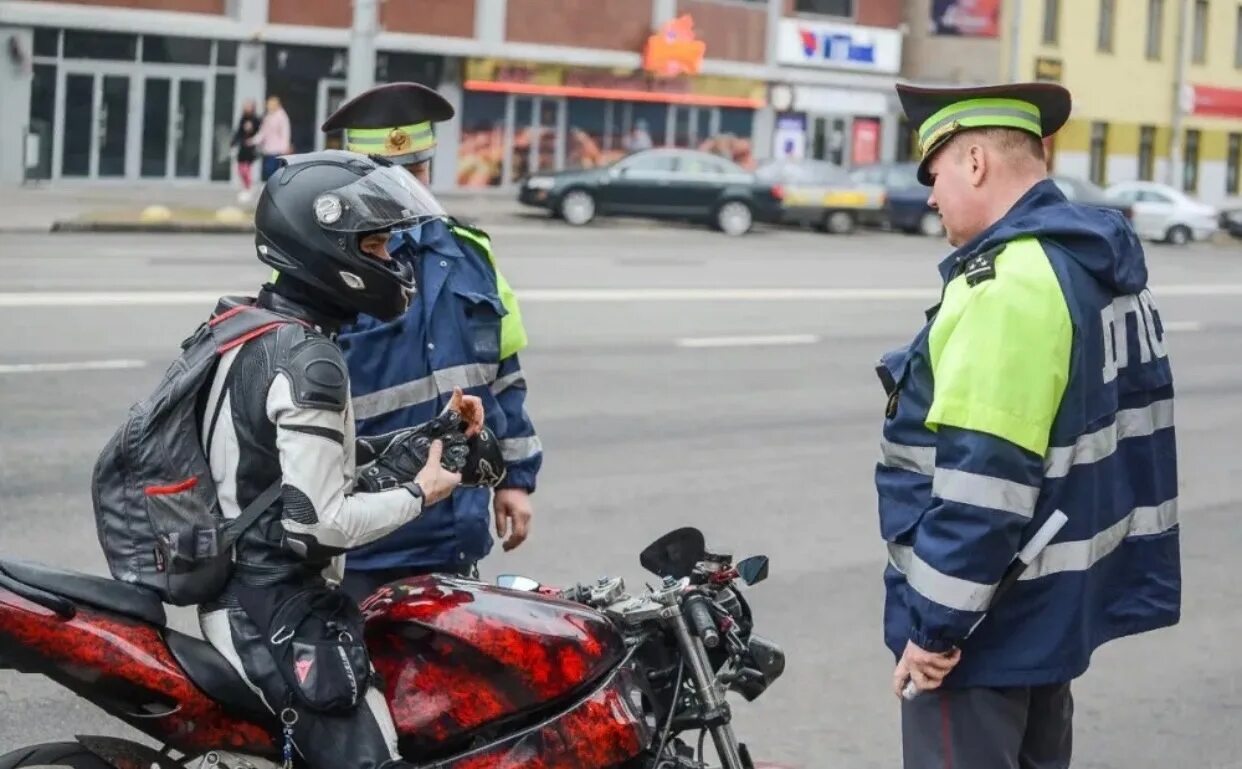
x,y
839,222
69,754
1179,235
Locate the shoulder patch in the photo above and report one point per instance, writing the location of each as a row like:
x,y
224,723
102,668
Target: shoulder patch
x,y
317,373
981,267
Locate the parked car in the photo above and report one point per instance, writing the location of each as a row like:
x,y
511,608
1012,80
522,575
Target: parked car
x,y
1164,213
905,200
661,184
1231,217
1082,191
822,194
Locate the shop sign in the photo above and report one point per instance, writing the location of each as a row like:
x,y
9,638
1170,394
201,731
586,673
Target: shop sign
x,y
839,46
674,50
542,75
1216,101
1048,70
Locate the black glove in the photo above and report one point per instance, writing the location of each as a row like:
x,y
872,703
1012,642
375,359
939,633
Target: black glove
x,y
395,459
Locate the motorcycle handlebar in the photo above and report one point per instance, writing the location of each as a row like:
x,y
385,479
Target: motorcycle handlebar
x,y
702,621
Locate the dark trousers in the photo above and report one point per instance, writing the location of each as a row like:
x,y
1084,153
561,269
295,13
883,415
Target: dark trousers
x,y
364,738
981,728
360,585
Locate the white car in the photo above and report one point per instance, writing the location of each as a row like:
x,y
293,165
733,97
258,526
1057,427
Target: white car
x,y
1161,212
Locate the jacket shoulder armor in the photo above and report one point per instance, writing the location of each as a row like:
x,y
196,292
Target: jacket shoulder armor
x,y
316,369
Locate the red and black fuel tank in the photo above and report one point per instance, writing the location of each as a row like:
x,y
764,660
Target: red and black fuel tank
x,y
456,655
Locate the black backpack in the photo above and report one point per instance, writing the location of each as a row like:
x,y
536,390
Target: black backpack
x,y
156,510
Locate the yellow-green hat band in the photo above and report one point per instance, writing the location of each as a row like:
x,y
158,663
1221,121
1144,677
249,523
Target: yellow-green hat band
x,y
398,140
979,113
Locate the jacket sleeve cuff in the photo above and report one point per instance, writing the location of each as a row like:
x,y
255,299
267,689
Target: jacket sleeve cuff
x,y
929,643
519,478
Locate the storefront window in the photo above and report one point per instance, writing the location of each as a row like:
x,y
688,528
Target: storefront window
x,y
595,133
733,139
42,117
222,133
480,156
645,125
46,42
175,50
100,45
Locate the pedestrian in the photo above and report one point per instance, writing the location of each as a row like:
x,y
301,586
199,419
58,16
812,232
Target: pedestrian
x,y
274,137
247,127
464,327
1039,384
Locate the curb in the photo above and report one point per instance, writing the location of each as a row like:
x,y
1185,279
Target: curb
x,y
182,228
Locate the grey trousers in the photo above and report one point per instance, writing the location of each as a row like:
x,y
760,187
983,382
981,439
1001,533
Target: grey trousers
x,y
1011,728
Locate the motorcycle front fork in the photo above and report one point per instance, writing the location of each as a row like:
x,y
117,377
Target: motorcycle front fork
x,y
711,696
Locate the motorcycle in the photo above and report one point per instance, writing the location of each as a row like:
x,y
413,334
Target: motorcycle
x,y
515,675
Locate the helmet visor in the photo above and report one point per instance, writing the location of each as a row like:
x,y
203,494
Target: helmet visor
x,y
387,198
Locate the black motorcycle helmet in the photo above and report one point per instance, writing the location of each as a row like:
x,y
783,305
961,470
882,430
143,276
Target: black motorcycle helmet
x,y
316,209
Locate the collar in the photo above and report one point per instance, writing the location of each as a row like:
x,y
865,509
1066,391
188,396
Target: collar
x,y
291,304
1040,194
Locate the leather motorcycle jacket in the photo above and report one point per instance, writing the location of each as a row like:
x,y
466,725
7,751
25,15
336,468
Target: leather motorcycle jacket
x,y
279,409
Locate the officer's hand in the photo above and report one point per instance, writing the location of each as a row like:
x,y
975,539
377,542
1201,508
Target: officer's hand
x,y
513,514
436,482
470,407
927,669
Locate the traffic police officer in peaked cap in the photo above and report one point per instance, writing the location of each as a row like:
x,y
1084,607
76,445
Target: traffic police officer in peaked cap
x,y
1037,395
463,329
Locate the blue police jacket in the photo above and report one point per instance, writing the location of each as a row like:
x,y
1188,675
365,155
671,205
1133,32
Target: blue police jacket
x,y
462,329
1041,383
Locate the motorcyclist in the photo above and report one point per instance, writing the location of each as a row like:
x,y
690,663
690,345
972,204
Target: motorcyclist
x,y
279,408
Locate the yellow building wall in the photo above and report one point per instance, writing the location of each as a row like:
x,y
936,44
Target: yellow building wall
x,y
1122,86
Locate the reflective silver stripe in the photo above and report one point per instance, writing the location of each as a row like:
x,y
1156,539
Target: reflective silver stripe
x,y
965,114
517,449
1092,447
423,390
916,459
954,592
1081,555
984,491
1078,555
507,381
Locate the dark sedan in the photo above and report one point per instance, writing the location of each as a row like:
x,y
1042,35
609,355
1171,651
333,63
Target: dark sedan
x,y
661,184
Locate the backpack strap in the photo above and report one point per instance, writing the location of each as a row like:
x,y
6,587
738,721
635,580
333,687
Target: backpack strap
x,y
238,526
241,324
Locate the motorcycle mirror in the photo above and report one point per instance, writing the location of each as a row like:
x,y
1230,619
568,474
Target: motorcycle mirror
x,y
754,569
517,582
675,554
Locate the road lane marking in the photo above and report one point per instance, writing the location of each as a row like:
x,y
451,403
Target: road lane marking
x,y
82,365
775,340
565,295
1182,325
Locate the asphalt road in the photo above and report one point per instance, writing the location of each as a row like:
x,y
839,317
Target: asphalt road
x,y
674,382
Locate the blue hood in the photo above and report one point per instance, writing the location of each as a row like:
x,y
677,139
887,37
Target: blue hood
x,y
1098,239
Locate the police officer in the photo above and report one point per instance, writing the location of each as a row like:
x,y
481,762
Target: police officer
x,y
463,328
1040,383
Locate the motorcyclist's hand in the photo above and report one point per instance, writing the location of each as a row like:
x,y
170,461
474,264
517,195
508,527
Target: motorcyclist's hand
x,y
513,514
927,669
436,482
470,408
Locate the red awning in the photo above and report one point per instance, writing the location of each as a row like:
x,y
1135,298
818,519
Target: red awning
x,y
1218,102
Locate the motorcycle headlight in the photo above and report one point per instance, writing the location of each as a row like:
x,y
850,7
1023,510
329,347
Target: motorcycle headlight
x,y
764,663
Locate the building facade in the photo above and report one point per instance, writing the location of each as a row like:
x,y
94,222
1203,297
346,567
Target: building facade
x,y
128,90
948,46
1120,60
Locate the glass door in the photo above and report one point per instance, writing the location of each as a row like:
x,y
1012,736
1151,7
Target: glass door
x,y
189,129
174,127
331,97
95,119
